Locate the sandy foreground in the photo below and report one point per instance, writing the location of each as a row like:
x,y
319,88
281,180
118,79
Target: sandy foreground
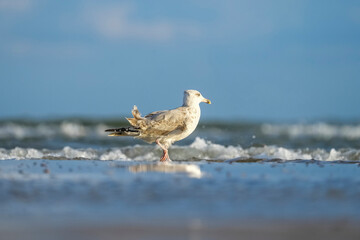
x,y
249,230
85,199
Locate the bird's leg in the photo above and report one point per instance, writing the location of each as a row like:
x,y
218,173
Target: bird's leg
x,y
165,155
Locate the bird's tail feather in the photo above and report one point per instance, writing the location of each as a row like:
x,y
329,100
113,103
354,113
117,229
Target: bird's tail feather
x,y
137,117
129,131
135,112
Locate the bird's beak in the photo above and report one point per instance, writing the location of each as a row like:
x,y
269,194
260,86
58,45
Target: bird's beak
x,y
206,101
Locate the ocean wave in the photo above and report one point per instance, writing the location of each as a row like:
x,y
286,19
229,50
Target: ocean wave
x,y
292,139
200,149
67,129
317,130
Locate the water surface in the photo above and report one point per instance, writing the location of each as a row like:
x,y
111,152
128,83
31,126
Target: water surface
x,y
68,172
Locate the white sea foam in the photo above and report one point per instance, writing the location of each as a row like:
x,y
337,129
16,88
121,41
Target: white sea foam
x,y
18,131
207,150
316,130
20,153
75,130
271,152
115,154
199,149
68,129
72,129
71,153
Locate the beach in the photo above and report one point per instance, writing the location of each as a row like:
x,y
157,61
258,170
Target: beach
x,y
67,179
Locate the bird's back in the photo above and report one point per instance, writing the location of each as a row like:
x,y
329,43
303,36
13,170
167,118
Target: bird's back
x,y
174,124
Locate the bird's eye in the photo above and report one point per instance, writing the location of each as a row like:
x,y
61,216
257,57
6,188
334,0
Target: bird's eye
x,y
198,94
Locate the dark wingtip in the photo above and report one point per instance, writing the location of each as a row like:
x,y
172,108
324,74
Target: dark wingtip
x,y
116,130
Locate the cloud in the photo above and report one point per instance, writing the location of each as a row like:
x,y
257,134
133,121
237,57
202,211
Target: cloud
x,y
116,22
15,5
255,19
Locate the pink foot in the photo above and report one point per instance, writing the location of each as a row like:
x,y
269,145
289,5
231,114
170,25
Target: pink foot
x,y
165,157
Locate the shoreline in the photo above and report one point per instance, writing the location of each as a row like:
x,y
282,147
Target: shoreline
x,y
313,229
191,199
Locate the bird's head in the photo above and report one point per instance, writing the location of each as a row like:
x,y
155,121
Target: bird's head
x,y
192,97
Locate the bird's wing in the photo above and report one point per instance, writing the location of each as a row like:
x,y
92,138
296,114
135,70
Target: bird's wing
x,y
155,114
160,124
164,122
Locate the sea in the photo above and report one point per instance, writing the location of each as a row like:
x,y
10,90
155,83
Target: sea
x,y
238,176
215,140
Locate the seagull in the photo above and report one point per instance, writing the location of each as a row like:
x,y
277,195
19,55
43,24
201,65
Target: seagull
x,y
165,127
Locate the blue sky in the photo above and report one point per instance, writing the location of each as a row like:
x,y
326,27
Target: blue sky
x,y
259,59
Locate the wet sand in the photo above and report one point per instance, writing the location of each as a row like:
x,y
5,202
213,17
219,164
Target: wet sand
x,y
90,199
162,230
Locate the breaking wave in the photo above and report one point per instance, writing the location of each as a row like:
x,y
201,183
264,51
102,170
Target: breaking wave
x,y
200,149
67,129
80,129
316,130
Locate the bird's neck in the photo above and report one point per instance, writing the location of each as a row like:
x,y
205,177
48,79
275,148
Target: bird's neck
x,y
193,108
189,102
191,105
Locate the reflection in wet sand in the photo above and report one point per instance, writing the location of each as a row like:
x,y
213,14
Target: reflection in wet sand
x,y
191,170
